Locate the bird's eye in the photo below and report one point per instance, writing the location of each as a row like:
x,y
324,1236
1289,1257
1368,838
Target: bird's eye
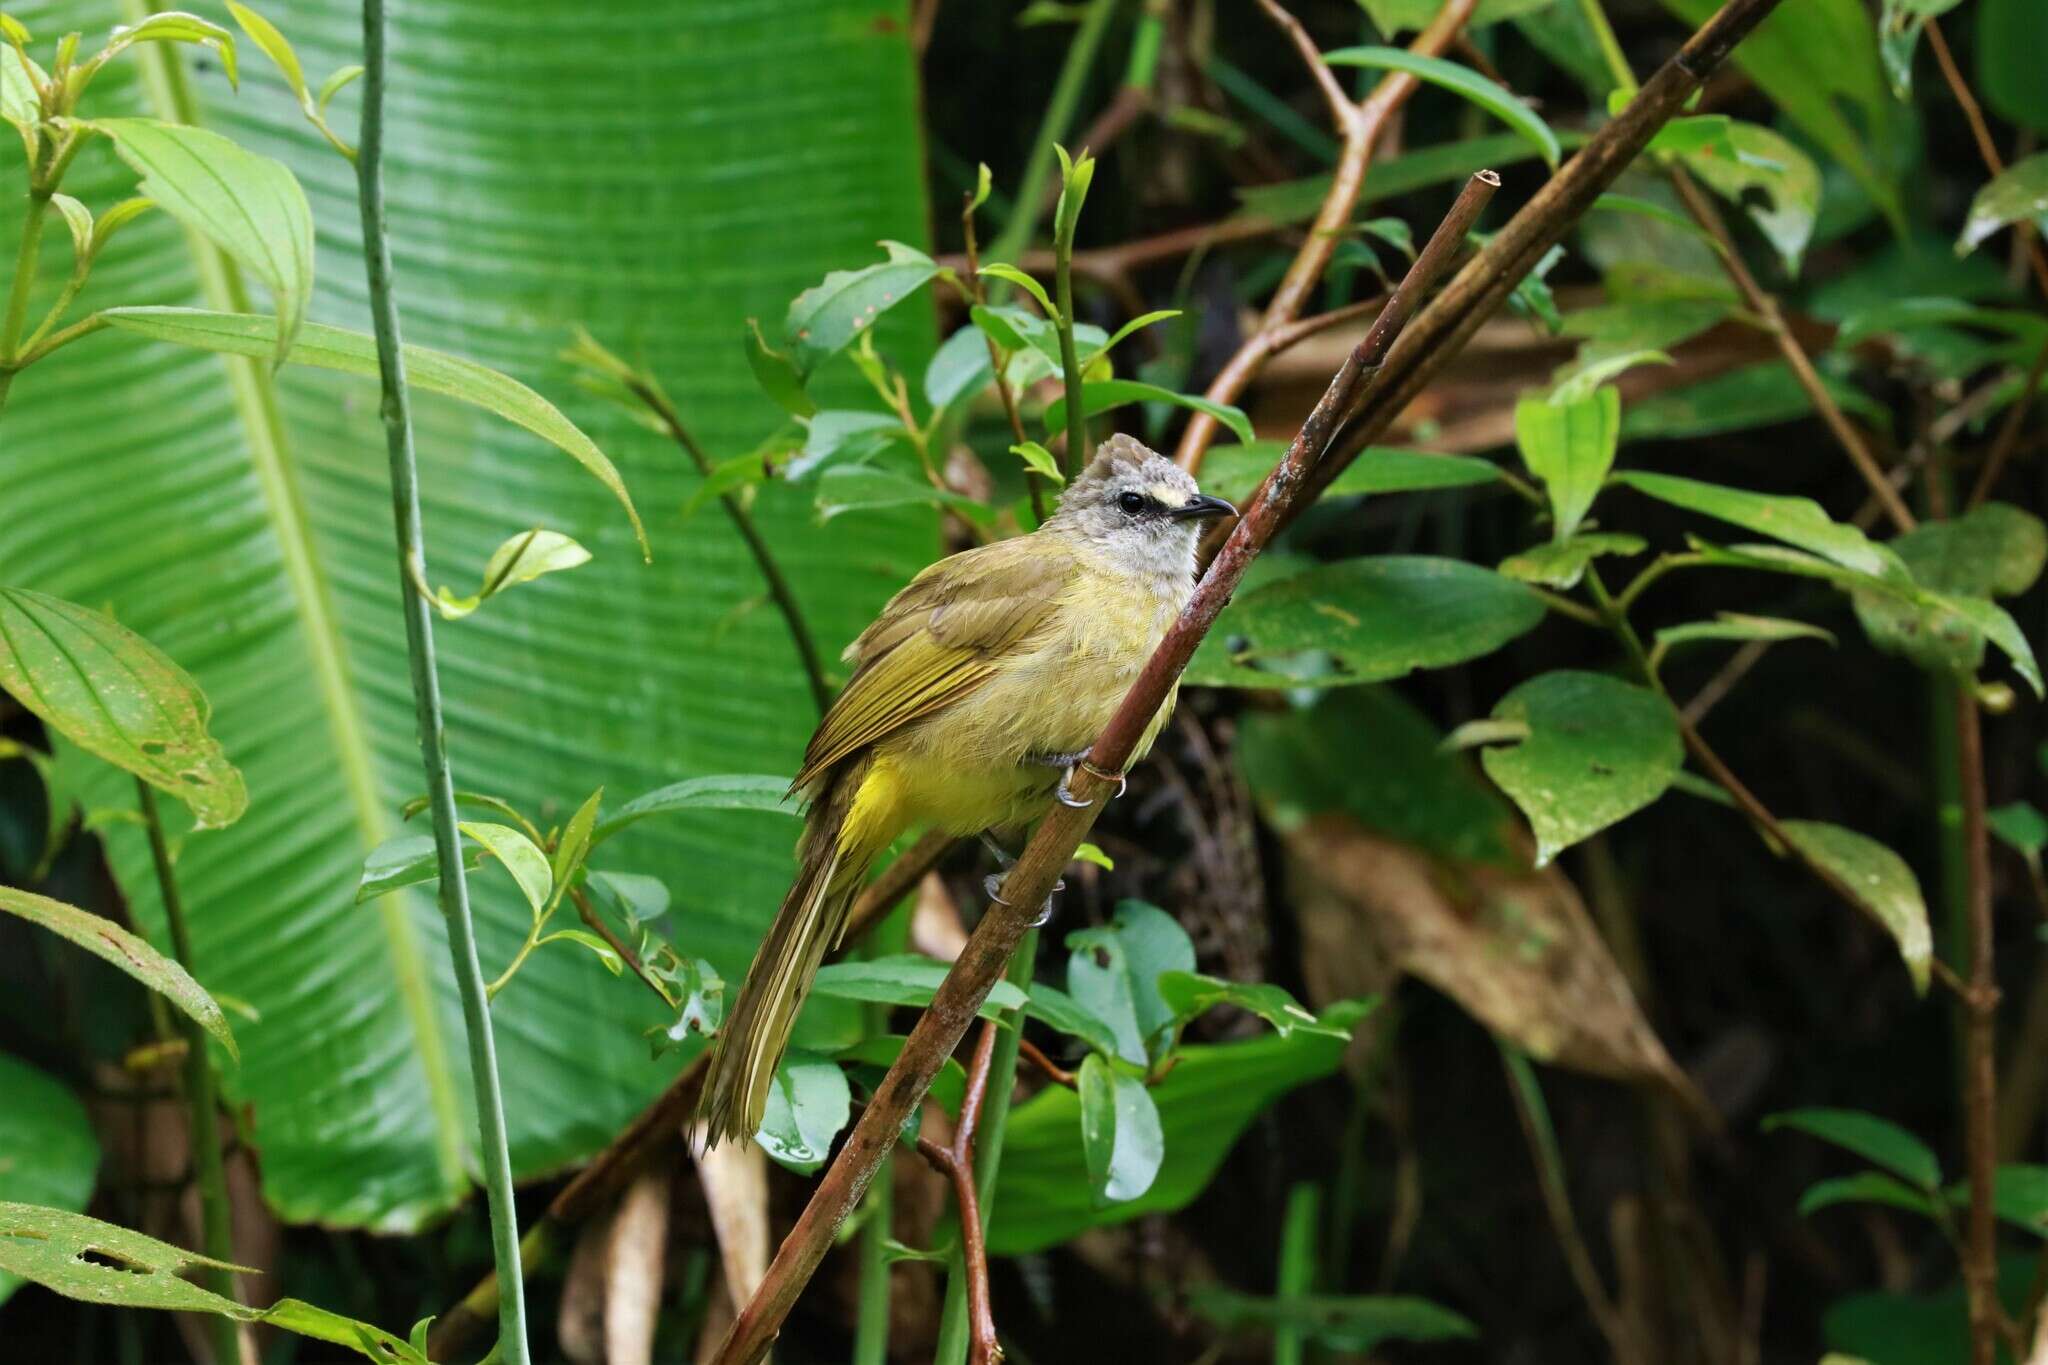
x,y
1131,503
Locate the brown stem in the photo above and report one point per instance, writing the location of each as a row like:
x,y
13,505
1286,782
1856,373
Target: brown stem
x,y
1360,126
957,1164
1053,844
2008,438
1980,1083
656,1127
1478,290
589,914
1981,131
1030,1052
1766,307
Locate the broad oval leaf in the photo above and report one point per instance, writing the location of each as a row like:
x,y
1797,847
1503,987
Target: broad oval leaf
x,y
1876,1140
1121,1137
903,979
2011,34
406,860
521,559
247,205
1059,1011
48,1152
777,374
111,943
1460,80
960,368
1796,521
2021,827
1881,882
335,348
1570,446
1101,395
119,698
1113,972
1377,619
825,317
2020,195
1599,750
527,864
808,1103
1235,471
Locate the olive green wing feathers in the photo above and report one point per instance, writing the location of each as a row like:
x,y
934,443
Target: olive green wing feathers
x,y
938,639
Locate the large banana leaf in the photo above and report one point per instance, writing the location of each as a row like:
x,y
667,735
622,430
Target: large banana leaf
x,y
655,171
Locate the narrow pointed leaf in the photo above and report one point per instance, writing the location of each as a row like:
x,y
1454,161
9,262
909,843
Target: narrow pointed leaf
x,y
1570,446
1460,80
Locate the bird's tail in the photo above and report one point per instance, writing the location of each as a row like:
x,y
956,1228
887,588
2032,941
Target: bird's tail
x,y
848,825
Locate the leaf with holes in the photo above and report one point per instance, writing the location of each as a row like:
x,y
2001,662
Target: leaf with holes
x,y
1881,882
119,698
826,317
1374,619
1753,162
48,1153
1598,751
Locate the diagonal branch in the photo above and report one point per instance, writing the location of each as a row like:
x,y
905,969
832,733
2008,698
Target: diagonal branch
x,y
1361,126
1030,881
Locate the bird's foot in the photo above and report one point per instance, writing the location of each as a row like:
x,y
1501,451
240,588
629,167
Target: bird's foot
x,y
1004,858
1065,794
992,884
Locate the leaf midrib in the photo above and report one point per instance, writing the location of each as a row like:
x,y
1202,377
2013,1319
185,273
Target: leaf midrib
x,y
255,404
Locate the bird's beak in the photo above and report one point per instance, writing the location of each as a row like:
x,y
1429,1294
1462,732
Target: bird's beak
x,y
1203,508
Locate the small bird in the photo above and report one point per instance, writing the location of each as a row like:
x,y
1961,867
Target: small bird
x,y
973,695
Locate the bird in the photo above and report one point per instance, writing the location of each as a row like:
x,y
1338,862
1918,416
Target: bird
x,y
972,696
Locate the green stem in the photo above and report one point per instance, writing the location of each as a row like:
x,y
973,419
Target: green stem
x,y
16,317
426,687
1297,1273
1660,566
1059,117
1075,457
1610,46
202,1099
871,1329
988,1154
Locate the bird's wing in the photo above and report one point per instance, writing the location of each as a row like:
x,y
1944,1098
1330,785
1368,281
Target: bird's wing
x,y
938,639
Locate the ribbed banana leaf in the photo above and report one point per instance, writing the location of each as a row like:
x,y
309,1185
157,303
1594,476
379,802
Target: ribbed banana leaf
x,y
654,171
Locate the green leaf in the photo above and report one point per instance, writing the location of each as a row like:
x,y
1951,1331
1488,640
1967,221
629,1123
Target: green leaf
x,y
1878,1141
826,317
1189,994
1895,316
1121,1137
1757,395
1351,1324
1235,471
1113,973
1040,459
333,86
735,791
2020,195
1753,164
1377,619
2019,1195
1817,60
1881,882
574,842
60,805
702,990
520,559
407,860
309,1320
1796,521
2010,36
276,47
1570,446
244,529
1864,1187
1598,751
332,348
78,219
1995,550
1459,80
1076,174
173,26
903,979
1204,1103
847,488
1136,324
776,373
119,698
111,943
20,105
48,1153
808,1104
1393,17
527,864
638,898
1059,1011
959,369
1561,564
1685,135
839,436
2021,827
1101,395
1582,379
1943,634
1010,274
603,951
249,206
1898,33
1731,625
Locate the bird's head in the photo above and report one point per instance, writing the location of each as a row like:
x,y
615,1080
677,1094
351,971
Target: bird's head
x,y
1138,505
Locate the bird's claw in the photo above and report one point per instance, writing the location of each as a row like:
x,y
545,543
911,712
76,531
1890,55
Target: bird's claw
x,y
1065,794
992,885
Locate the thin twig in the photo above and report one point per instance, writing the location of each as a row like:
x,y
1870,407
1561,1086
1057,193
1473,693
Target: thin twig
x,y
1986,148
1980,1000
589,914
1052,847
1360,126
956,1162
665,412
2008,438
1030,1052
201,1100
653,1131
493,1153
1765,306
1116,262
